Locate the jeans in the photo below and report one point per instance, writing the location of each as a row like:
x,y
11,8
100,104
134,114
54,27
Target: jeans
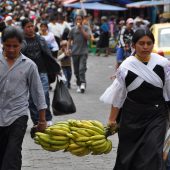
x,y
120,54
11,138
79,63
67,73
33,110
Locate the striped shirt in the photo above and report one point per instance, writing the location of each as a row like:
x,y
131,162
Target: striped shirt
x,y
15,85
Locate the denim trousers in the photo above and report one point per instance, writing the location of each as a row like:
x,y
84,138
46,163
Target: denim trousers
x,y
67,73
80,67
33,110
120,54
11,139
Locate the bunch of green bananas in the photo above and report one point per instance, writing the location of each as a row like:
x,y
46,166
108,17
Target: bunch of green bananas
x,y
79,137
54,138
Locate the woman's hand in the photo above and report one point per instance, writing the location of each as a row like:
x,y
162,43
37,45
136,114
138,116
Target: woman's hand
x,y
112,128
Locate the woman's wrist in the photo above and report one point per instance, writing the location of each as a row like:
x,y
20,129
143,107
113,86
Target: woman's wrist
x,y
111,122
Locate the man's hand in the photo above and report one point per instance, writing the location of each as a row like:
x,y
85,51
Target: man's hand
x,y
41,126
79,26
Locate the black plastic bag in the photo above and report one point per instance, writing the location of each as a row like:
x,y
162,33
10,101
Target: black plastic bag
x,y
62,102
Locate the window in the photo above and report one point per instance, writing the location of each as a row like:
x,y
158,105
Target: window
x,y
164,37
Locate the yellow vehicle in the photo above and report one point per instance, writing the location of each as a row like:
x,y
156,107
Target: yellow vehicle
x,y
161,33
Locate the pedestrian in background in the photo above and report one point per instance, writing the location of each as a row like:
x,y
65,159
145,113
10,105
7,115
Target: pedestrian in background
x,y
49,37
9,21
103,43
125,41
52,45
18,77
65,60
56,29
141,89
77,42
119,49
35,47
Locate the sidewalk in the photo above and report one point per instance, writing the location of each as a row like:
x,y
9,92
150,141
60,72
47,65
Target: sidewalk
x,y
88,107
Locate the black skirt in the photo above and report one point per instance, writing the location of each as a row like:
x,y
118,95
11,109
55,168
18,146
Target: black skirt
x,y
141,136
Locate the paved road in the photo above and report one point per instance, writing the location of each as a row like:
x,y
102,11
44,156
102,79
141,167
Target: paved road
x,y
88,107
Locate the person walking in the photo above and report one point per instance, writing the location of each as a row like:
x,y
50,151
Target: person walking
x,y
52,45
65,61
55,28
125,41
49,37
103,43
18,78
77,38
119,50
35,47
141,90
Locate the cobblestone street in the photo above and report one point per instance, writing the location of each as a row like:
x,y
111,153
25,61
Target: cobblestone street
x,y
88,107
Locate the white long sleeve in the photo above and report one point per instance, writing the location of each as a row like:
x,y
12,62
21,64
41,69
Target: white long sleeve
x,y
116,93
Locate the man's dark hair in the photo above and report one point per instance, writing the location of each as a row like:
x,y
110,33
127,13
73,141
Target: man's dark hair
x,y
25,22
12,32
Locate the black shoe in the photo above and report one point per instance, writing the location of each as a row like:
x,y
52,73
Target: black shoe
x,y
69,86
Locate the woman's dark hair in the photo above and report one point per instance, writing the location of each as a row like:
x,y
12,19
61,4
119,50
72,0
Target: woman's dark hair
x,y
25,22
141,33
79,15
44,23
2,26
12,32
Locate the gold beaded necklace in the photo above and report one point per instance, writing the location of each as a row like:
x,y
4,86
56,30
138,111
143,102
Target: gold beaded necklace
x,y
144,59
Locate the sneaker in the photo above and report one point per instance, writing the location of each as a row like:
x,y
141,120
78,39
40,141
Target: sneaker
x,y
83,87
49,123
78,89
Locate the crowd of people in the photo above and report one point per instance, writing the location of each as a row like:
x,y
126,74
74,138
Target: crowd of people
x,y
40,41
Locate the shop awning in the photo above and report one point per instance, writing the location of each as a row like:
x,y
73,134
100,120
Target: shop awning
x,y
143,4
73,1
122,2
96,6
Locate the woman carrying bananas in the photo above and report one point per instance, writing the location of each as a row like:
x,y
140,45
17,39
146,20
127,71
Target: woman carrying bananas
x,y
141,89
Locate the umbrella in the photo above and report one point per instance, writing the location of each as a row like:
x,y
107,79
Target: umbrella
x,y
96,6
143,4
